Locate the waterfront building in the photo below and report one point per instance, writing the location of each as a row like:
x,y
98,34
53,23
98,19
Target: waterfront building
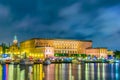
x,y
110,52
98,52
41,48
10,50
54,47
13,49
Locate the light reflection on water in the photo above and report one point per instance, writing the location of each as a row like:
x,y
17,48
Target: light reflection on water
x,y
87,71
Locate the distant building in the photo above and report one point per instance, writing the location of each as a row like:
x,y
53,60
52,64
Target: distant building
x,y
98,52
110,52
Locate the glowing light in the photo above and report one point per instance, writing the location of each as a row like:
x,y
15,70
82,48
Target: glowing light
x,y
4,55
30,54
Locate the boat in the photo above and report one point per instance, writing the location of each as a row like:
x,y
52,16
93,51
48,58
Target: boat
x,y
47,62
75,61
114,61
26,62
39,61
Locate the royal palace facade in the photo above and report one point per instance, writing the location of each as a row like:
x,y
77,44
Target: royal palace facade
x,y
39,47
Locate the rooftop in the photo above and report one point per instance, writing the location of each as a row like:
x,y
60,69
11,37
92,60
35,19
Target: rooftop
x,y
57,39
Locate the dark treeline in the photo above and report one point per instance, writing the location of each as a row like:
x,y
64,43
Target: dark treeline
x,y
117,54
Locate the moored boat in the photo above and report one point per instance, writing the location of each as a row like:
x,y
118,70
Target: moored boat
x,y
47,62
75,61
26,62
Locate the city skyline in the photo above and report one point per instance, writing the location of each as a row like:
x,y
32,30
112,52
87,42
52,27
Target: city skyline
x,y
96,20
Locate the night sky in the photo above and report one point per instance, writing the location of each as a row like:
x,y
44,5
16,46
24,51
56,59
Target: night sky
x,y
96,20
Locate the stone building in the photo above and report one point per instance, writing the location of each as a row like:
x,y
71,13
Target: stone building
x,y
98,52
13,49
40,47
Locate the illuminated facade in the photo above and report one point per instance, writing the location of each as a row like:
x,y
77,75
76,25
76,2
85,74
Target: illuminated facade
x,y
13,49
42,48
1,49
38,46
110,52
98,52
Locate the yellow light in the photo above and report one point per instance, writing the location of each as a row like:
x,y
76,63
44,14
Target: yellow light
x,y
30,54
35,55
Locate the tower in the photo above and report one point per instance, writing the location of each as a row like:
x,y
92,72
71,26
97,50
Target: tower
x,y
15,41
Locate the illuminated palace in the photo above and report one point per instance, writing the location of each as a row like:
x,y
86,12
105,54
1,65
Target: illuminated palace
x,y
41,48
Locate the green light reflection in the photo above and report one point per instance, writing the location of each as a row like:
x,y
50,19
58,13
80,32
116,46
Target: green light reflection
x,y
56,72
11,72
0,72
87,71
63,71
70,72
79,72
92,70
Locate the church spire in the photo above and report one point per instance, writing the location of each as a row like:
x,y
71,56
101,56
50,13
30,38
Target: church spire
x,y
15,41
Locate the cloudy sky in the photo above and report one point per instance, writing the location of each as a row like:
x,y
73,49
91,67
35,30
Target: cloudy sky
x,y
96,20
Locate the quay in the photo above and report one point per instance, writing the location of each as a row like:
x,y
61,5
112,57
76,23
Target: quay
x,y
74,61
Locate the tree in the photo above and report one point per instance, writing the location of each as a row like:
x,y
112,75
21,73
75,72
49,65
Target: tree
x,y
83,55
117,54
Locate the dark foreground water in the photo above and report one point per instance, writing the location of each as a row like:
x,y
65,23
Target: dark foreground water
x,y
88,71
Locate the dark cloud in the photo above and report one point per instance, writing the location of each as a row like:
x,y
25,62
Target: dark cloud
x,y
97,20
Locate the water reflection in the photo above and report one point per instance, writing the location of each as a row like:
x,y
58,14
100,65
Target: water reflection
x,y
116,72
88,71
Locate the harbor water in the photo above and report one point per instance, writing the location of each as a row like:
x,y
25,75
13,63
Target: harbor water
x,y
61,71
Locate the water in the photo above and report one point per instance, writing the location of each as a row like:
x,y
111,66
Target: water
x,y
88,71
